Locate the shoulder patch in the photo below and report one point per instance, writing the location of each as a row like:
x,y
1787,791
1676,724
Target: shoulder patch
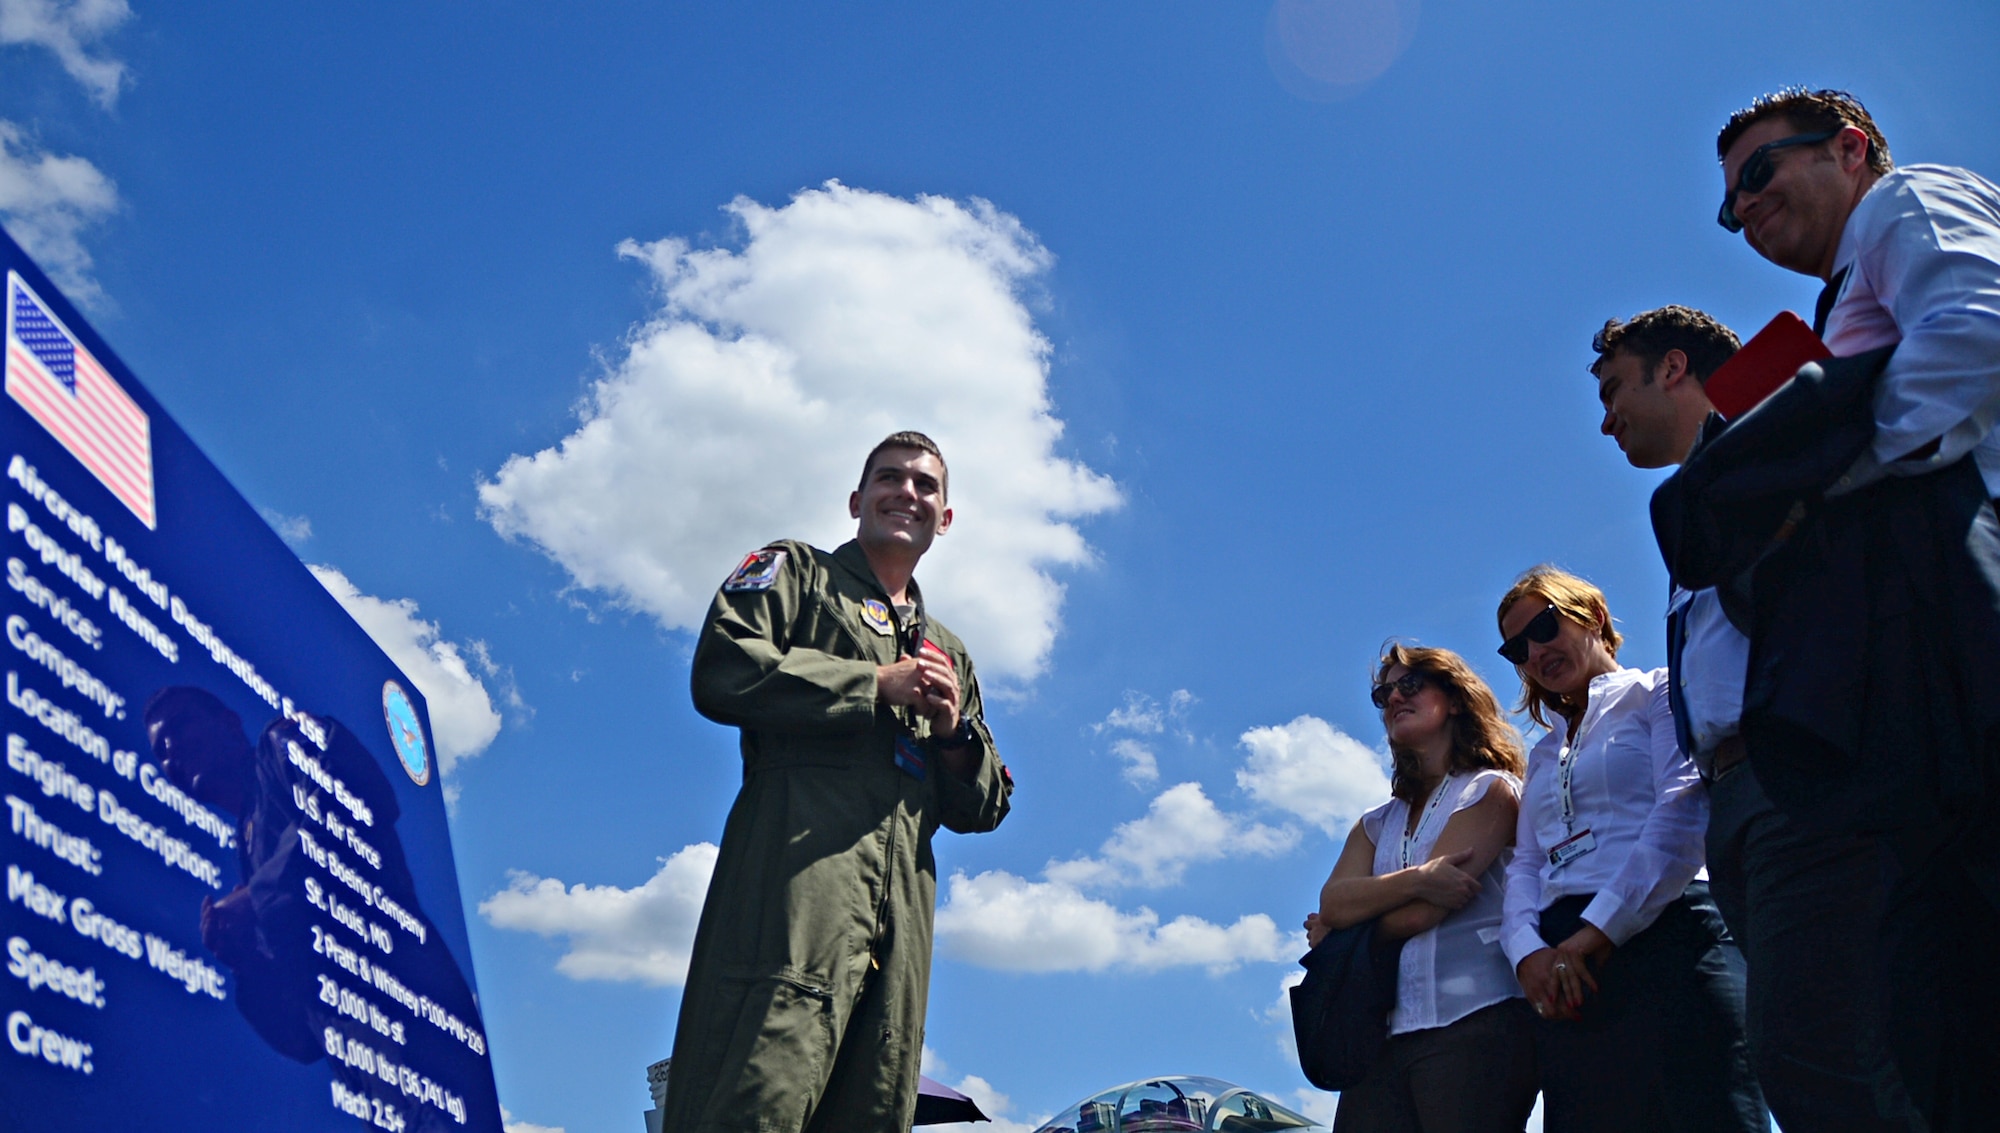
x,y
877,616
758,570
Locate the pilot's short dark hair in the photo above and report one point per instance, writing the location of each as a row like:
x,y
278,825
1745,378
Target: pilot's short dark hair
x,y
909,438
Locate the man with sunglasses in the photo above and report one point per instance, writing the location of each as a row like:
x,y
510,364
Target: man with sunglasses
x,y
1909,257
1892,651
1804,905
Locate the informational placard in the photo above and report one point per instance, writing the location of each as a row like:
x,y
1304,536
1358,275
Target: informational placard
x,y
231,903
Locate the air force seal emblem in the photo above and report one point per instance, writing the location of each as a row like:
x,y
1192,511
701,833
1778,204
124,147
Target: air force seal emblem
x,y
877,616
758,571
406,732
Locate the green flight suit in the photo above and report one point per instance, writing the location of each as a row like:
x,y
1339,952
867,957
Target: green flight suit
x,y
804,1005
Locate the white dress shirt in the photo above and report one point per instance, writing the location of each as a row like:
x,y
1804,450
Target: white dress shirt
x,y
1636,793
1450,971
1714,660
1922,253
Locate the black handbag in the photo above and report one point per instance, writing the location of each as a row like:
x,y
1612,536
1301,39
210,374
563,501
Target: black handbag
x,y
1340,1011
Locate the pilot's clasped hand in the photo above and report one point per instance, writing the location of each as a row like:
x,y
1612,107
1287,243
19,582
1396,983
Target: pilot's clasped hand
x,y
927,683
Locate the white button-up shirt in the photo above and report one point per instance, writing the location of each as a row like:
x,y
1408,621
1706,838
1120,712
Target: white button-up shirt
x,y
1635,791
1922,253
1450,971
1714,660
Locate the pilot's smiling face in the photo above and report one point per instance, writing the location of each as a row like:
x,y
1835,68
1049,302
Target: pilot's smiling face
x,y
902,500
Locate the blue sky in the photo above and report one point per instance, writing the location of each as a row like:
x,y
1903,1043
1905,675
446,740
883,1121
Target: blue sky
x,y
1241,371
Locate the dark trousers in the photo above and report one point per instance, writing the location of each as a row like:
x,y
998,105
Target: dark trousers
x,y
1475,1075
1806,908
1941,934
1660,1048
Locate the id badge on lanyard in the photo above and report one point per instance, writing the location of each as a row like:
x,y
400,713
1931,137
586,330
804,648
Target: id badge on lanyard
x,y
910,758
1571,848
1580,842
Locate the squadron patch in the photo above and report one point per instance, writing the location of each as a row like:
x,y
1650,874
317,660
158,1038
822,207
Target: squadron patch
x,y
877,616
758,571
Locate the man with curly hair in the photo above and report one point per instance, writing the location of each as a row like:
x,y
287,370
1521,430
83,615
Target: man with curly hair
x,y
1804,904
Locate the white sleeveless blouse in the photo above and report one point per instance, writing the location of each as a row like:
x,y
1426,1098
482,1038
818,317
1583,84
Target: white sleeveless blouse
x,y
1456,968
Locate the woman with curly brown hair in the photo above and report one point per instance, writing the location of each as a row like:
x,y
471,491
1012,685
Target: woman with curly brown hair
x,y
1608,920
1431,863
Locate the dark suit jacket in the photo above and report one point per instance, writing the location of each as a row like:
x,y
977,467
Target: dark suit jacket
x,y
1872,700
1340,1011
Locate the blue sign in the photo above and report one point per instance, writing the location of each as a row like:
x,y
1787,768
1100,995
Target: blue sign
x,y
230,896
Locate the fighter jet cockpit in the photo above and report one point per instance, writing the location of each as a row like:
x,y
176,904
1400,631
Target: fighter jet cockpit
x,y
1177,1105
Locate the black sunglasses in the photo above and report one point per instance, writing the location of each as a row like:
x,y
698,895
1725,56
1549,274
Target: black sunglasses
x,y
1409,684
1757,172
1541,630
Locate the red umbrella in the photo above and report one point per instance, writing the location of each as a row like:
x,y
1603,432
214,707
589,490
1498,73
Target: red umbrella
x,y
938,1103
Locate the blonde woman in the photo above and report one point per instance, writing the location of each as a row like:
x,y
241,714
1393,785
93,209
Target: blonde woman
x,y
1431,863
1608,921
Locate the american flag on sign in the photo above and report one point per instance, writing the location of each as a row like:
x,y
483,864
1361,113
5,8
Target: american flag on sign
x,y
60,385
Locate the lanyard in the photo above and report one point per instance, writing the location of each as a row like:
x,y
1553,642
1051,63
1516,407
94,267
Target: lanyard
x,y
1412,834
910,643
913,635
1565,767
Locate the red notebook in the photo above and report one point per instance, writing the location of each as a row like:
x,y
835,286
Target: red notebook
x,y
1766,362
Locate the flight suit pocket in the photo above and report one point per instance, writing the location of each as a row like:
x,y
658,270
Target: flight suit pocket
x,y
778,1041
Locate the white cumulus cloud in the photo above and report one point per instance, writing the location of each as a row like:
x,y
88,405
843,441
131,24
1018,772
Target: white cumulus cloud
x,y
1141,713
509,1125
1181,827
995,1105
47,200
1001,921
741,412
293,529
1279,1013
1312,769
995,920
1318,1104
644,934
463,718
1145,716
991,1102
68,28
1142,768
